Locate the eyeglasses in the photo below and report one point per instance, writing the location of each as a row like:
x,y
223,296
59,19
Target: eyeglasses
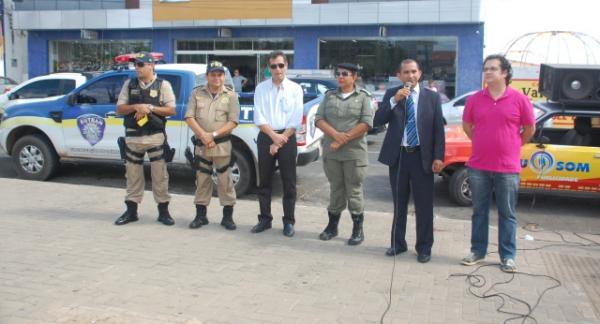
x,y
491,69
140,64
342,73
278,65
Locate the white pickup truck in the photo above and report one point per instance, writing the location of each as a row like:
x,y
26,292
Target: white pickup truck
x,y
84,125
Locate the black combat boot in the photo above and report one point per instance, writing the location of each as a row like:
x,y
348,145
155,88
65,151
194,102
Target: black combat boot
x,y
357,231
200,218
130,215
227,220
163,214
331,230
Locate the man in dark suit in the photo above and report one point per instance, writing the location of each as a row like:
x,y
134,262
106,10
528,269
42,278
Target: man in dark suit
x,y
413,149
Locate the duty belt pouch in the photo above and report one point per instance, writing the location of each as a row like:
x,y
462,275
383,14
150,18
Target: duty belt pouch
x,y
121,143
168,151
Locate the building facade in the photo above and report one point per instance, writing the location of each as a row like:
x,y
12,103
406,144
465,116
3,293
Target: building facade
x,y
446,36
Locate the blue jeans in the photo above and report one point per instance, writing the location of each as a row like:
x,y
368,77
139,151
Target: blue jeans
x,y
506,189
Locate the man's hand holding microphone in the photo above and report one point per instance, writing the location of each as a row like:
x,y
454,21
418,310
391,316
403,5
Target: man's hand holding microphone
x,y
403,92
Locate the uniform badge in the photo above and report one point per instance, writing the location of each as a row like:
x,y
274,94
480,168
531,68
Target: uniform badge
x,y
91,127
225,100
153,93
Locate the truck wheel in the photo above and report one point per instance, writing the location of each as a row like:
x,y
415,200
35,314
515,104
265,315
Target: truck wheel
x,y
241,172
460,190
34,158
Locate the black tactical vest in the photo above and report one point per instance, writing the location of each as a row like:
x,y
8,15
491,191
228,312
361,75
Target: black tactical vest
x,y
150,96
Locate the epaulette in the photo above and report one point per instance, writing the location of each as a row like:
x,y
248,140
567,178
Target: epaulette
x,y
365,92
331,92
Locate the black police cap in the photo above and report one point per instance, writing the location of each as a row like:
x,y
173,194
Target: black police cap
x,y
348,66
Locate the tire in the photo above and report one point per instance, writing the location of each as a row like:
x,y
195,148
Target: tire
x,y
459,188
242,173
34,158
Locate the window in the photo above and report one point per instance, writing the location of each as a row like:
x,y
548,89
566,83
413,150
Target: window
x,y
39,89
175,82
102,92
91,55
379,58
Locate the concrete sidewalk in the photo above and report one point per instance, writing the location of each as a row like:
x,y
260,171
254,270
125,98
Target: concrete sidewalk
x,y
63,261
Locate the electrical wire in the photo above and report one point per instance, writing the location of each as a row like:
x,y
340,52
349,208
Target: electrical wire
x,y
477,280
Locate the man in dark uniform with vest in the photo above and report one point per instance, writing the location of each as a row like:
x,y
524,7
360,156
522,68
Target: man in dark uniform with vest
x,y
146,101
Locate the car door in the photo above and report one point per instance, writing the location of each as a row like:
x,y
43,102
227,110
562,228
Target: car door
x,y
90,123
175,124
558,167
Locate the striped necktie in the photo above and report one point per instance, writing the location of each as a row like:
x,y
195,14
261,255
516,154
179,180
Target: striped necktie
x,y
411,126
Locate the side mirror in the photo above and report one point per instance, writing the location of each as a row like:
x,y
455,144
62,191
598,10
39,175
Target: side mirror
x,y
72,100
542,141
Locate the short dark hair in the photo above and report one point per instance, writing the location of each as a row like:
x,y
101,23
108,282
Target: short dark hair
x,y
275,54
407,61
504,65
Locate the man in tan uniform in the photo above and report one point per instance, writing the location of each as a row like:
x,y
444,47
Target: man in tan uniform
x,y
213,112
146,101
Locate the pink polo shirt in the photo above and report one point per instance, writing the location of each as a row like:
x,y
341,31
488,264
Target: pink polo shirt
x,y
497,124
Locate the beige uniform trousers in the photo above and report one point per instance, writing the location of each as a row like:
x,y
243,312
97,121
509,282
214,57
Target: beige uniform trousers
x,y
134,173
204,182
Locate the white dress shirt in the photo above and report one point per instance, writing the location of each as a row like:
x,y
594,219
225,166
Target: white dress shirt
x,y
280,107
415,97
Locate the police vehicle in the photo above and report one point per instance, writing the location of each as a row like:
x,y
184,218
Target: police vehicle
x,y
84,125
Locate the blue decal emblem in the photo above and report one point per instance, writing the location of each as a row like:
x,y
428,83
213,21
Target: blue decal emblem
x,y
91,127
542,162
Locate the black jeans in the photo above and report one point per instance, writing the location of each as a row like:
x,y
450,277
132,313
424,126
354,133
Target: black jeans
x,y
286,159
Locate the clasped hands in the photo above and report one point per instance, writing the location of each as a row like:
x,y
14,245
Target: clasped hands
x,y
207,139
278,141
340,139
141,110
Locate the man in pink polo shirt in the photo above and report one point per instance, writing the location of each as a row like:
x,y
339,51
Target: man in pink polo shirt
x,y
498,120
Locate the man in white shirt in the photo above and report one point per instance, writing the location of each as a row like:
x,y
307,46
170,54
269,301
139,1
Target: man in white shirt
x,y
278,109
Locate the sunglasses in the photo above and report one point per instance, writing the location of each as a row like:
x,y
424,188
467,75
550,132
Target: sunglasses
x,y
342,73
140,64
278,65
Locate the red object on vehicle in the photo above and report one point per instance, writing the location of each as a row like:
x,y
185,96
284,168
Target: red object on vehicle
x,y
125,58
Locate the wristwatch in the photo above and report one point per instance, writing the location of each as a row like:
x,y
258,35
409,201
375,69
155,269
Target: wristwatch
x,y
151,107
214,134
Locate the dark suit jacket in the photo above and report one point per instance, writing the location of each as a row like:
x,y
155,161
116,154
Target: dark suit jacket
x,y
430,125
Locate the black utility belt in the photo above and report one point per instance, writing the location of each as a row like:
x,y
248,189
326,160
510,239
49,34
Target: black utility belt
x,y
217,140
143,132
410,149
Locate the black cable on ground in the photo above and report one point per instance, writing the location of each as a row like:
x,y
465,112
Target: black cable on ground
x,y
476,280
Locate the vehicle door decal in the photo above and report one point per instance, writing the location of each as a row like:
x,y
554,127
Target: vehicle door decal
x,y
91,127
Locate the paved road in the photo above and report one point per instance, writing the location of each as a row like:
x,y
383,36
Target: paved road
x,y
550,212
63,261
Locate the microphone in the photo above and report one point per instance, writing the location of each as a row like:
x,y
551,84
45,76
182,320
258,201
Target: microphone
x,y
408,85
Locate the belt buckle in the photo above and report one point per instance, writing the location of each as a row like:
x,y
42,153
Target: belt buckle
x,y
410,149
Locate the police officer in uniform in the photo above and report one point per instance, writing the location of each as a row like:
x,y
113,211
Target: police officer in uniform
x,y
146,101
345,115
213,112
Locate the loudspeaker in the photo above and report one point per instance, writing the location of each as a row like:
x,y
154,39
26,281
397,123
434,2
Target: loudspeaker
x,y
577,85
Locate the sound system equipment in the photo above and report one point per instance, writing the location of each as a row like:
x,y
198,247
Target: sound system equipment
x,y
574,85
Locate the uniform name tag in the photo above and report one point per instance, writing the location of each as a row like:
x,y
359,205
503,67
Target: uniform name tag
x,y
135,91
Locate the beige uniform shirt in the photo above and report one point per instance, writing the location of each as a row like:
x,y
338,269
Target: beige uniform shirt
x,y
343,114
212,113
